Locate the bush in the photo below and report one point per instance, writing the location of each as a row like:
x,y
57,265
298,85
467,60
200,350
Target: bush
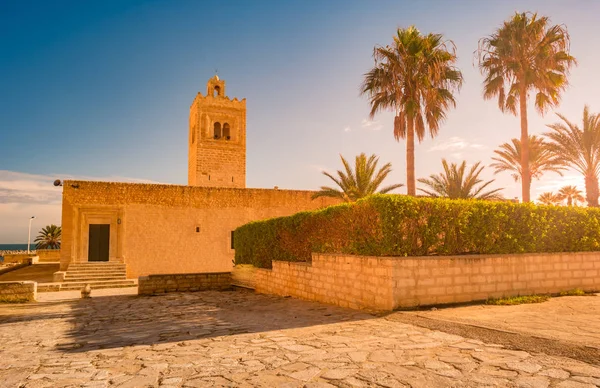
x,y
398,225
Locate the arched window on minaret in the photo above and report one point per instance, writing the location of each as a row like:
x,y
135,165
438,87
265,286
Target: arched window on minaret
x,y
226,132
217,130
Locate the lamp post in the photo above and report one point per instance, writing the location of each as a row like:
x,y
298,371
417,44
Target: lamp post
x,y
29,238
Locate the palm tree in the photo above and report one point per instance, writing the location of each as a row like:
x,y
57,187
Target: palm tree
x,y
549,198
454,184
48,238
572,194
416,78
526,54
579,148
541,159
363,181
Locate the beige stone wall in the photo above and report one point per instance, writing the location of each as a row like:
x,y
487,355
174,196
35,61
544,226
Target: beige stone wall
x,y
159,284
18,258
153,227
457,279
346,281
24,291
48,255
384,283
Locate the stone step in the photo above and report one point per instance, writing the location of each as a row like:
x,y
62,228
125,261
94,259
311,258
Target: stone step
x,y
99,284
120,270
71,279
96,287
95,266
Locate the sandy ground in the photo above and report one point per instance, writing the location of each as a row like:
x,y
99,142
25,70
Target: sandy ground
x,y
573,319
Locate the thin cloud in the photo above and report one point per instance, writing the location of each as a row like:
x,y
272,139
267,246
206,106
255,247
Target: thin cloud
x,y
372,125
456,143
19,187
347,129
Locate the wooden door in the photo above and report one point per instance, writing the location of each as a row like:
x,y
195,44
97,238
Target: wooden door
x,y
99,242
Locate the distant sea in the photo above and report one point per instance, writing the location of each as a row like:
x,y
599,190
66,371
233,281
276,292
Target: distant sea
x,y
15,247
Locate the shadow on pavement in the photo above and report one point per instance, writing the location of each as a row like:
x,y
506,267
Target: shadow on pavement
x,y
117,321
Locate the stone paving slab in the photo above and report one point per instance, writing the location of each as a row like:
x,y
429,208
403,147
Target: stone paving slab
x,y
570,318
242,339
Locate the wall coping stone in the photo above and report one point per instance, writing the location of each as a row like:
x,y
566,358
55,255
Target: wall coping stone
x,y
438,257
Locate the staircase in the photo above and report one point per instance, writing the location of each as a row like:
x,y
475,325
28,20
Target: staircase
x,y
97,275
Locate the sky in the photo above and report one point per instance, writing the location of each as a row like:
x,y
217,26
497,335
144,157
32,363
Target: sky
x,y
100,90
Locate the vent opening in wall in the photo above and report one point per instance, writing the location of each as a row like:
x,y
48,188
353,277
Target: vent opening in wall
x,y
197,229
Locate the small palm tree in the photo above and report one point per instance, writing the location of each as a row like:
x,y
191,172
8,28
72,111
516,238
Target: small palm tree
x,y
526,54
454,184
48,238
549,198
579,148
572,194
363,181
416,78
541,159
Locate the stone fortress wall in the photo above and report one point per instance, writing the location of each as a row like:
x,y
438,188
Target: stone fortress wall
x,y
169,229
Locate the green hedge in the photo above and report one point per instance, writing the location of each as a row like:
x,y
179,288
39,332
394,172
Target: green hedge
x,y
398,225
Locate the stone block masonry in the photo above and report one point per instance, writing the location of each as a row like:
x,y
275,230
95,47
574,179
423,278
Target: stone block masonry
x,y
159,284
388,283
18,292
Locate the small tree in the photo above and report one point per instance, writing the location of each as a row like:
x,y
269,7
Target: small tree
x,y
572,194
48,238
454,183
541,159
363,181
549,198
579,148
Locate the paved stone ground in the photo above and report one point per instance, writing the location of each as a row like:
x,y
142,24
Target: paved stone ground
x,y
243,339
569,318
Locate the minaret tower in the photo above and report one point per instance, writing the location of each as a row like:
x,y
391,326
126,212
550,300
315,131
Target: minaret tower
x,y
217,140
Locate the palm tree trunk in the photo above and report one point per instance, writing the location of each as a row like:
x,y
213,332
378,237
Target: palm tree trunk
x,y
410,157
526,176
591,189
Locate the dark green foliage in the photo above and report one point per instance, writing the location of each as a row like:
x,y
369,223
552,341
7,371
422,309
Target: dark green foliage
x,y
398,225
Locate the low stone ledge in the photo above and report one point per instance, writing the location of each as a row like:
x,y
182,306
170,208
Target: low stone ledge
x,y
187,282
48,287
59,276
18,291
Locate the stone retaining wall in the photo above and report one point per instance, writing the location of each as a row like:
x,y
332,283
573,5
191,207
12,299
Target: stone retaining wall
x,y
388,283
18,292
158,284
48,255
18,258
